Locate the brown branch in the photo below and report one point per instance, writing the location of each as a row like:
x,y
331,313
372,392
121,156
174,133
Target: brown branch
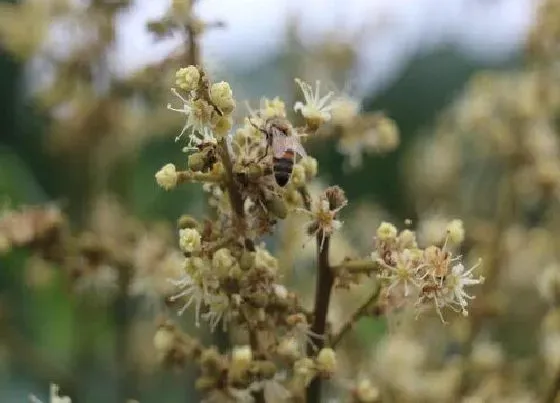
x,y
325,280
357,315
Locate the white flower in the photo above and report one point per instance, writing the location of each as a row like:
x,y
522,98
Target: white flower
x,y
198,117
189,240
193,291
218,310
315,108
404,272
455,283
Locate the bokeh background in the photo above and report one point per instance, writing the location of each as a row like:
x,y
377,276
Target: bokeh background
x,y
83,123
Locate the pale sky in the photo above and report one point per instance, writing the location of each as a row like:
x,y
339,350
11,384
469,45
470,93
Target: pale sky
x,y
485,29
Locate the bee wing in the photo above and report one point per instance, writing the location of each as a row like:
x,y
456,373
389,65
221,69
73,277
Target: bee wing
x,y
295,144
280,143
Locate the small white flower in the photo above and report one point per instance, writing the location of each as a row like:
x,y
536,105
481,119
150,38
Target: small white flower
x,y
194,293
403,273
218,310
198,117
189,240
315,108
455,284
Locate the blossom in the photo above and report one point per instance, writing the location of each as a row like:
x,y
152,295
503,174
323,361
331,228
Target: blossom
x,y
199,115
403,273
455,283
323,213
316,109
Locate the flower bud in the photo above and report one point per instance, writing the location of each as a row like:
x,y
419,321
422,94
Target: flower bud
x,y
196,162
289,348
326,361
222,126
166,177
310,166
187,221
298,176
164,340
456,231
222,96
277,207
206,384
366,392
386,232
188,78
189,240
241,358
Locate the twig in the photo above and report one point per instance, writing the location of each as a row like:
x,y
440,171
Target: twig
x,y
361,311
365,266
323,290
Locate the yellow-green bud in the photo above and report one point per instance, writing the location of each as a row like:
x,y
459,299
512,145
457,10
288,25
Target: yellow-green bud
x,y
247,260
189,240
267,369
205,384
365,392
241,358
167,177
277,207
456,231
187,221
164,339
298,176
264,260
289,348
222,126
310,166
196,162
210,360
188,78
326,361
254,172
386,232
222,96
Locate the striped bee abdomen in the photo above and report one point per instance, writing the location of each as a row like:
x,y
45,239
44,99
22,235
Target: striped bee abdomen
x,y
283,167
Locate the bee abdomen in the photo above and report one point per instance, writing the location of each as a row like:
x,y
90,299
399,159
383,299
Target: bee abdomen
x,y
283,170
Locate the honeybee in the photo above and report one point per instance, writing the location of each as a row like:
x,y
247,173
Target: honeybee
x,y
285,145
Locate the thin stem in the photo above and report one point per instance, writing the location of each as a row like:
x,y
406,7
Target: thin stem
x,y
125,381
361,266
190,176
323,290
361,311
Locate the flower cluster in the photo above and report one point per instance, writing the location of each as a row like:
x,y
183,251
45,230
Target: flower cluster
x,y
432,276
